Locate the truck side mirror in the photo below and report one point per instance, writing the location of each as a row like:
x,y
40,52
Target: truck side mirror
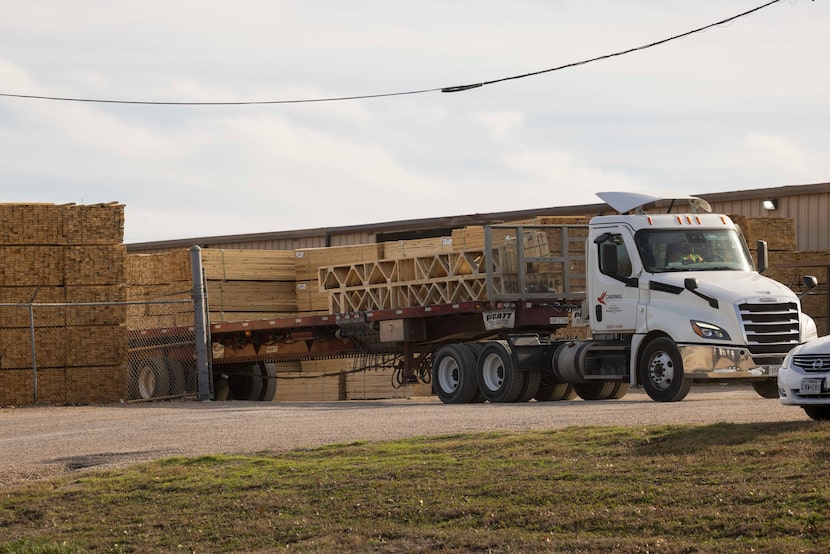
x,y
763,256
809,282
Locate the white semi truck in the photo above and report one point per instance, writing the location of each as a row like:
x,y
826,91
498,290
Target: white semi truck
x,y
543,312
669,298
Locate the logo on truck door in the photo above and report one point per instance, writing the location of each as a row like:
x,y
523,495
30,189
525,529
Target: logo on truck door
x,y
609,297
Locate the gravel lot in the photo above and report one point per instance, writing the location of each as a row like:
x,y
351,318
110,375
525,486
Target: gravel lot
x,y
38,442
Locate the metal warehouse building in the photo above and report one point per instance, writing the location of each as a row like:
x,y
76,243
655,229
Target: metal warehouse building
x,y
807,205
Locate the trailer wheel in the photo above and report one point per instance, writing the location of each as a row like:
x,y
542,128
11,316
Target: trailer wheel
x,y
818,413
661,371
768,388
498,379
269,381
533,379
553,390
597,390
151,378
453,374
476,348
245,382
178,377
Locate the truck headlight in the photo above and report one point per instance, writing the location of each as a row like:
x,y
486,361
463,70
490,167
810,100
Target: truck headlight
x,y
709,331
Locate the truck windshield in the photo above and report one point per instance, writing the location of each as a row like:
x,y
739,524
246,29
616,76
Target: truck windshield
x,y
693,250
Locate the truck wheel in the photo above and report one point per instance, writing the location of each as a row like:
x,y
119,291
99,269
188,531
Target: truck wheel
x,y
620,390
533,379
553,390
476,348
661,371
818,413
497,378
453,374
245,382
269,381
151,378
598,390
768,388
178,377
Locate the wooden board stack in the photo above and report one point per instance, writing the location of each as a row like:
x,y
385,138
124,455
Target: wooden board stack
x,y
62,254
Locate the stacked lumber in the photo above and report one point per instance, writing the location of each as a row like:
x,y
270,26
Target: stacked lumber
x,y
64,255
395,250
307,263
316,381
779,232
159,278
789,268
378,384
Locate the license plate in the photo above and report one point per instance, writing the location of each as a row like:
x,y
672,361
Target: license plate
x,y
810,386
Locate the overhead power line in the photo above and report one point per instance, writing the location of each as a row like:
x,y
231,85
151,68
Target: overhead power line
x,y
456,88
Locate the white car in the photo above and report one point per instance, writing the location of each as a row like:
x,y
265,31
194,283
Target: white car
x,y
804,378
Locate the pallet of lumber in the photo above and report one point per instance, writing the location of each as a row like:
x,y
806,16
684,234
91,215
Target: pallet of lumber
x,y
251,296
308,261
394,250
248,265
310,387
378,384
778,232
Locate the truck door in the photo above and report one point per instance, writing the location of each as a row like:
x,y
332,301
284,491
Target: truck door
x,y
614,292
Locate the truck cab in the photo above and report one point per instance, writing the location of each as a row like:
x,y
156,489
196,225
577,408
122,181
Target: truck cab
x,y
679,290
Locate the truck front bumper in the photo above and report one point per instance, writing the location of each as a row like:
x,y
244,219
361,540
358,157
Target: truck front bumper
x,y
718,362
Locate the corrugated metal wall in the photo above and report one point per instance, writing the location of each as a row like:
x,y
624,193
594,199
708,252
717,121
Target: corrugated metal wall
x,y
807,205
810,212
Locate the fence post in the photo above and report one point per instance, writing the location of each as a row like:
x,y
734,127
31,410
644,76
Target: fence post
x,y
200,325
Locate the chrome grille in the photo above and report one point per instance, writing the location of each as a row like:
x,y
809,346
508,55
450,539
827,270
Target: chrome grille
x,y
771,329
812,362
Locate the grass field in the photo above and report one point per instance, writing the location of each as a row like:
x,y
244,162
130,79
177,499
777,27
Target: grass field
x,y
717,488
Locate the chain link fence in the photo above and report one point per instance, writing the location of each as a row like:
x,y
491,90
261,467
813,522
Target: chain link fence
x,y
162,348
97,352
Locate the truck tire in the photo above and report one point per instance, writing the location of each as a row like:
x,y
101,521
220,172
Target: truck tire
x,y
453,374
533,379
768,388
818,413
178,377
661,371
269,382
151,378
476,348
498,379
244,382
553,390
597,390
620,390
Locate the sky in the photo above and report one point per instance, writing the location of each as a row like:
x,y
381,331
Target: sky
x,y
739,106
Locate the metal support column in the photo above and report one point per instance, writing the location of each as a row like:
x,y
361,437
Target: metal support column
x,y
200,327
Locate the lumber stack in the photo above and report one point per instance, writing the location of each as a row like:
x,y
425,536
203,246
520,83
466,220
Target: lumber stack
x,y
779,232
152,280
63,255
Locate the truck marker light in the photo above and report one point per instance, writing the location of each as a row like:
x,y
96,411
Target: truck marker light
x,y
697,218
650,222
688,220
679,219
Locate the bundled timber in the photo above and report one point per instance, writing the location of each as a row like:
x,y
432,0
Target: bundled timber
x,y
64,255
308,261
248,265
778,232
377,384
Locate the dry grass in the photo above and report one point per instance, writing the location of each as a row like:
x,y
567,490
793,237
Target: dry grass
x,y
716,488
